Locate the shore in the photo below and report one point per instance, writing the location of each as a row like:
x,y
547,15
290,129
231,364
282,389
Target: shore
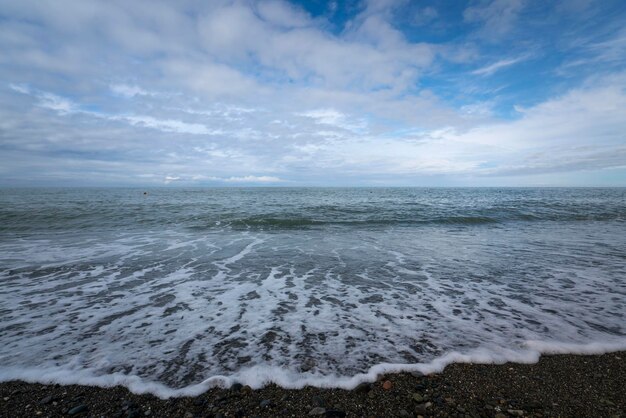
x,y
558,385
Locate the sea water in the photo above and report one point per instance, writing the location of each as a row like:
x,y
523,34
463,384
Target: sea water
x,y
175,290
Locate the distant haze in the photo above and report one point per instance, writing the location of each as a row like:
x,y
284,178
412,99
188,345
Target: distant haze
x,y
312,93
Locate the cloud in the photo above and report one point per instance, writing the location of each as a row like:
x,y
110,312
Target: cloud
x,y
335,118
169,179
371,53
253,179
168,125
65,106
425,15
498,65
130,91
496,17
233,179
48,100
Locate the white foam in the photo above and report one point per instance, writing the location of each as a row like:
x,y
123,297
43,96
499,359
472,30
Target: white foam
x,y
259,376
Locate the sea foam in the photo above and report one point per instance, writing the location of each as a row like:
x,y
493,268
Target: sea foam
x,y
259,376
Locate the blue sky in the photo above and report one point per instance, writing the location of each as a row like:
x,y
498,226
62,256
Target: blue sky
x,y
313,93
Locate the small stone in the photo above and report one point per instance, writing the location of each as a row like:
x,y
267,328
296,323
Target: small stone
x,y
417,374
500,415
335,413
420,409
363,387
387,385
147,413
404,413
236,387
133,413
78,410
317,401
127,404
606,402
188,415
516,412
46,400
317,411
265,403
417,397
6,398
246,389
428,404
532,405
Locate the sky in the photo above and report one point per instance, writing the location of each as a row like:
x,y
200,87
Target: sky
x,y
312,93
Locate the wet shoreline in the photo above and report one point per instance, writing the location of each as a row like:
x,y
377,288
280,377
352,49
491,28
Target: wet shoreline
x,y
558,385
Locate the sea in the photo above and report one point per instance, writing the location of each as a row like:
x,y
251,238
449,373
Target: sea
x,y
175,290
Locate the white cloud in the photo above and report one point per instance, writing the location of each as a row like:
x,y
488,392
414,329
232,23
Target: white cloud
x,y
335,118
170,179
20,88
253,179
498,65
169,125
497,17
130,91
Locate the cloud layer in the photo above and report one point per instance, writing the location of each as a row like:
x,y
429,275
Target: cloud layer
x,y
280,93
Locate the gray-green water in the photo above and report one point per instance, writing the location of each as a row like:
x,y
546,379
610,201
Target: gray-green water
x,y
302,285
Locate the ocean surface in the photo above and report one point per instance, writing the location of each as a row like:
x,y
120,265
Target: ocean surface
x,y
177,290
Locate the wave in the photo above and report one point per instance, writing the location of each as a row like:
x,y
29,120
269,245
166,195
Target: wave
x,y
273,222
260,376
25,220
276,222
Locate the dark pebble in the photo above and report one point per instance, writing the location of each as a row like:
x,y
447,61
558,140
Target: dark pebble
x,y
265,403
236,387
335,413
133,413
317,401
46,400
363,387
421,409
129,405
78,410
